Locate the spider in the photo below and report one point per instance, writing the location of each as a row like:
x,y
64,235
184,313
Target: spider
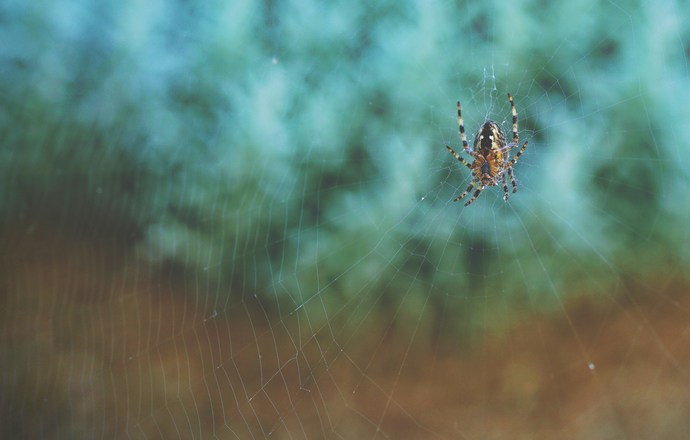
x,y
490,154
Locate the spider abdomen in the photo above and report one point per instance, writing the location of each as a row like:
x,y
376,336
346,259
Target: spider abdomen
x,y
489,137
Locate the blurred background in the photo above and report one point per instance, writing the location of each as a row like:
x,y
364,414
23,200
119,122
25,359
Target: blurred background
x,y
234,219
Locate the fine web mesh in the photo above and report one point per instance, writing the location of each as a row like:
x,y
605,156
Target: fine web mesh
x,y
234,219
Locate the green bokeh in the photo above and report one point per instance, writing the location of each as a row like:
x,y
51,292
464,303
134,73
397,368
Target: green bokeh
x,y
295,150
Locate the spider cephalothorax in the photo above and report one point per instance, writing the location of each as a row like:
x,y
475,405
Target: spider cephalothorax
x,y
490,153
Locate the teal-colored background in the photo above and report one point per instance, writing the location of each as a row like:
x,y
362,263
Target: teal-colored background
x,y
284,148
289,157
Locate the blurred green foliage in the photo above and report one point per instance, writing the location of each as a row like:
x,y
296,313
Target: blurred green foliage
x,y
295,150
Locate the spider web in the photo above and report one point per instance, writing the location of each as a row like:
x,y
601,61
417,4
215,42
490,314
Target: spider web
x,y
235,220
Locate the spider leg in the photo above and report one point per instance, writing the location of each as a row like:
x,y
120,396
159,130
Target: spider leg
x,y
460,159
469,187
519,153
512,182
515,119
505,185
461,128
474,196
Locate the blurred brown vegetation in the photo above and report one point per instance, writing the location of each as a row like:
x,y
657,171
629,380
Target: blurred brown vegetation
x,y
94,343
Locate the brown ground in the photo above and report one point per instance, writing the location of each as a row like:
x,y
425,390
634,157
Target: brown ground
x,y
93,344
